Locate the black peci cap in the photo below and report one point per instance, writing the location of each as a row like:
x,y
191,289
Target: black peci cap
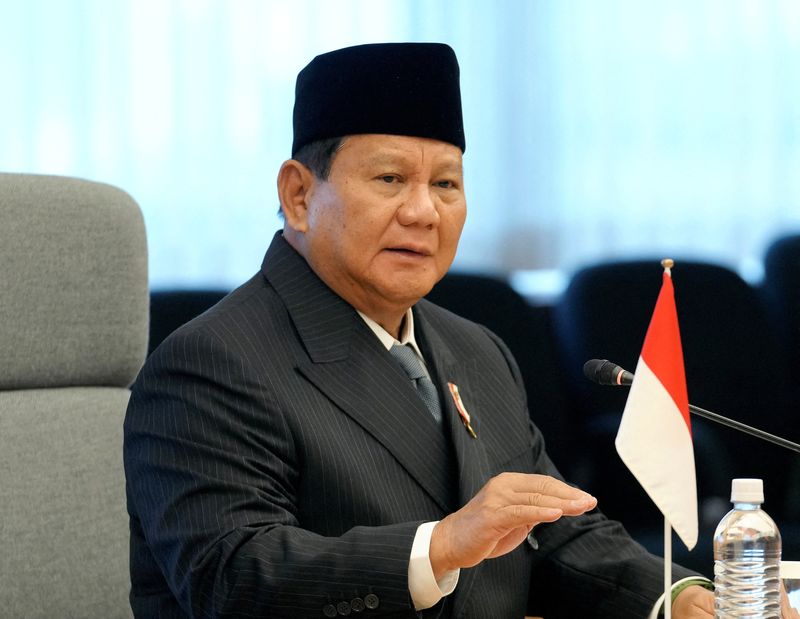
x,y
394,88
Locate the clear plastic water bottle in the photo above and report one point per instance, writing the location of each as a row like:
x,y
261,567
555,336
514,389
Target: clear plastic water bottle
x,y
747,557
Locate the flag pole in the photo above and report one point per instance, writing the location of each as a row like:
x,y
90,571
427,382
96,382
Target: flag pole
x,y
667,569
667,263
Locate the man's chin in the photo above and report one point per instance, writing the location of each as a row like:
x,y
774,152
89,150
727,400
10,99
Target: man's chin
x,y
404,296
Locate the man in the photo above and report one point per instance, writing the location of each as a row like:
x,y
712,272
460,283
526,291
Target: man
x,y
323,442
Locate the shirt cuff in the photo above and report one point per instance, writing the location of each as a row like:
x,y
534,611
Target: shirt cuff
x,y
425,590
677,587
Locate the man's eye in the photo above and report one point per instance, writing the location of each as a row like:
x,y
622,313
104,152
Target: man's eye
x,y
388,178
445,184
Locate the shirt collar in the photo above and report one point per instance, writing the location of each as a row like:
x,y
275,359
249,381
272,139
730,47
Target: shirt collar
x,y
388,340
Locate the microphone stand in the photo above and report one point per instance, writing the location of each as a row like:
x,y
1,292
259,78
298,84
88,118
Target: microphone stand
x,y
742,427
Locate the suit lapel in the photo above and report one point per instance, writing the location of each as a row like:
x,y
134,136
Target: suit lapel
x,y
347,363
375,394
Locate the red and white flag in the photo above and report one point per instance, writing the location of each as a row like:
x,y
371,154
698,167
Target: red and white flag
x,y
655,435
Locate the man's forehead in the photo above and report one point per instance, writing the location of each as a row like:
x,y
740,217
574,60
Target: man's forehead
x,y
380,148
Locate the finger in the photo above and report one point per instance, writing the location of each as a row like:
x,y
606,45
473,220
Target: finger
x,y
787,610
579,503
531,482
570,507
576,507
513,516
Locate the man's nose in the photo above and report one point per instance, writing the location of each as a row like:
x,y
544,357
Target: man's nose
x,y
420,207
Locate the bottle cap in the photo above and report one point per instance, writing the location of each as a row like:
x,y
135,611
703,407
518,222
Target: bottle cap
x,y
747,491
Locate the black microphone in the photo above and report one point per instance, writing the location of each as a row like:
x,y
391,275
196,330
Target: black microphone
x,y
605,372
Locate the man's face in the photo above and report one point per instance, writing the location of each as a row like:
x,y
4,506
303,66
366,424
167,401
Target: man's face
x,y
384,227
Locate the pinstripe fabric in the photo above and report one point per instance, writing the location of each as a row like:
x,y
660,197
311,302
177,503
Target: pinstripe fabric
x,y
278,460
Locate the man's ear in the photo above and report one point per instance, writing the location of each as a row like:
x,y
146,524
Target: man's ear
x,y
295,185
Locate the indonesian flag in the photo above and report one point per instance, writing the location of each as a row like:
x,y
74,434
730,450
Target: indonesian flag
x,y
655,435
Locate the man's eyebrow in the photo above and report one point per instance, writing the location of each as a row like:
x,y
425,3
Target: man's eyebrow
x,y
453,165
387,158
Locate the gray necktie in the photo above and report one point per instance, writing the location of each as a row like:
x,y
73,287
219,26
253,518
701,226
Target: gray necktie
x,y
410,363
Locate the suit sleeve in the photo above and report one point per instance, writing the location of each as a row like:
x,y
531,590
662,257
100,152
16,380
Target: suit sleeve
x,y
212,480
588,566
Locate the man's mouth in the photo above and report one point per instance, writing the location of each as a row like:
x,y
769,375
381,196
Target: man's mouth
x,y
409,251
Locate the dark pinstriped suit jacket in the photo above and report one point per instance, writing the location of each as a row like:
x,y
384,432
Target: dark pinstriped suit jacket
x,y
279,461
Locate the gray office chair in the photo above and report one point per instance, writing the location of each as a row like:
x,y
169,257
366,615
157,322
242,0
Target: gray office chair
x,y
73,334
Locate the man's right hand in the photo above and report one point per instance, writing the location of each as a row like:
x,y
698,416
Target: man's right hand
x,y
499,518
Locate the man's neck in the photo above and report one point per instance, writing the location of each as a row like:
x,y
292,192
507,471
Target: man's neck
x,y
393,328
392,321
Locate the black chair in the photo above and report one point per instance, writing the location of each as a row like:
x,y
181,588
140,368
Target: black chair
x,y
781,290
169,309
733,367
